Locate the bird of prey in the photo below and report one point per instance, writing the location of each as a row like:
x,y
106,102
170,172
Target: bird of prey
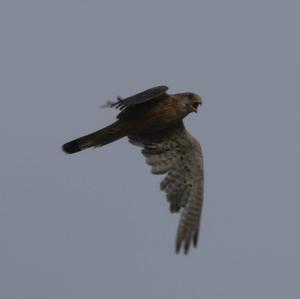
x,y
153,120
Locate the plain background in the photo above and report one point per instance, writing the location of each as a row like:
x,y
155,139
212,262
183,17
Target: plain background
x,y
95,225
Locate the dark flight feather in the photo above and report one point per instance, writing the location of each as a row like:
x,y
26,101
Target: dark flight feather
x,y
140,98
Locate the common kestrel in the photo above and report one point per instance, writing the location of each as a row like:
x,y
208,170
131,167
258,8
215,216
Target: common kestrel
x,y
153,120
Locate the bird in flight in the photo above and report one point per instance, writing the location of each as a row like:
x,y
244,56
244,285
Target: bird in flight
x,y
153,120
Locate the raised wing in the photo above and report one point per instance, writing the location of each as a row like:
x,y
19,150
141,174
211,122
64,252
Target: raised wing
x,y
178,154
139,98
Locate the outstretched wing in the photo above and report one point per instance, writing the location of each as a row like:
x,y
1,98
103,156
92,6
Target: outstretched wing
x,y
139,98
178,154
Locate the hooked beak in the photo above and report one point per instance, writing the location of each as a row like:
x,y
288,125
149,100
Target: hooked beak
x,y
196,104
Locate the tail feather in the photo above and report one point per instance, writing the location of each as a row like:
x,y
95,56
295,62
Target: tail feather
x,y
98,138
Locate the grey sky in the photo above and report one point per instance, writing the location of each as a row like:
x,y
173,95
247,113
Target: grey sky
x,y
95,225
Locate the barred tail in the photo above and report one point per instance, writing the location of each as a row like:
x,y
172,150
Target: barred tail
x,y
104,136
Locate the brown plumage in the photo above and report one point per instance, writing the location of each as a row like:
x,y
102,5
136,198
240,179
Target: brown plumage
x,y
153,120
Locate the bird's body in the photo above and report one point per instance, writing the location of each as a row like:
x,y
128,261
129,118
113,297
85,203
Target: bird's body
x,y
145,118
153,120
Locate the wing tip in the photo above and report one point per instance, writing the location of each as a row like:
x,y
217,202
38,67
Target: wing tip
x,y
185,243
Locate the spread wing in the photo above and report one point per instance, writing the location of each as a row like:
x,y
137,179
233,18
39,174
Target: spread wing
x,y
139,98
178,154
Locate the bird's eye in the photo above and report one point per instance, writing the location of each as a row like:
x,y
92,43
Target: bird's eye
x,y
191,96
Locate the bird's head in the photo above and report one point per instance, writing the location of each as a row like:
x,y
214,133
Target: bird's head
x,y
189,102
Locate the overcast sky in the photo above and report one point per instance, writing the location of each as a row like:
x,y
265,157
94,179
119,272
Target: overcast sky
x,y
95,225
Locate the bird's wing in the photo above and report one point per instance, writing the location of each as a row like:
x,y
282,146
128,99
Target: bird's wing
x,y
178,154
139,98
